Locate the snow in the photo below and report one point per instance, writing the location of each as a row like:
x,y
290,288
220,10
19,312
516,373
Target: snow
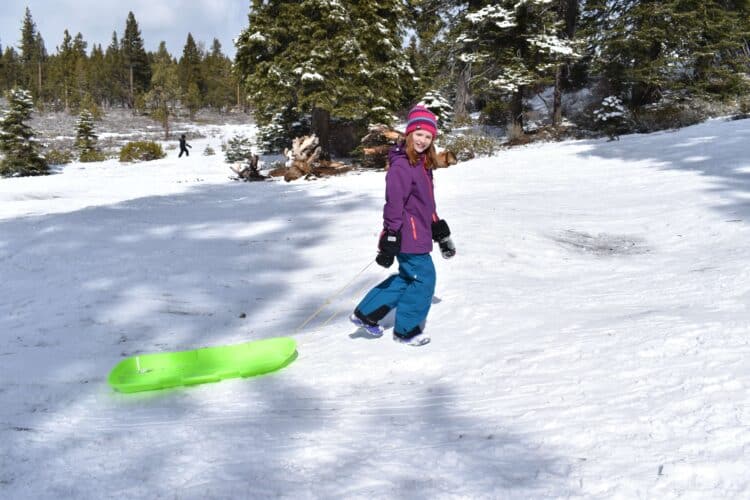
x,y
502,17
258,37
611,110
552,44
589,340
312,77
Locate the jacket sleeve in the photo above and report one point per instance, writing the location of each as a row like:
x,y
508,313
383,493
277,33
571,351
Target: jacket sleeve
x,y
435,216
397,184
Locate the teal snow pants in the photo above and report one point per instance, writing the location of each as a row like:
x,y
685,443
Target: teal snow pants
x,y
410,292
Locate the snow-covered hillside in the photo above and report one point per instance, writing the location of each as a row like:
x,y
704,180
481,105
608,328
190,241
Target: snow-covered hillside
x,y
590,339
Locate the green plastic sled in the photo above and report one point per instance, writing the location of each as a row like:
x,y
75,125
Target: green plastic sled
x,y
148,372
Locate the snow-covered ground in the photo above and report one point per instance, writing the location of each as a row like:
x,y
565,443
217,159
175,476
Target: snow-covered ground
x,y
589,340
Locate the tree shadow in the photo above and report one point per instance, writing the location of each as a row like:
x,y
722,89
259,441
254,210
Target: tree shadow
x,y
177,272
409,440
154,274
714,149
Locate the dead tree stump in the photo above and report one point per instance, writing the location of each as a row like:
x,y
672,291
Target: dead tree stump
x,y
248,171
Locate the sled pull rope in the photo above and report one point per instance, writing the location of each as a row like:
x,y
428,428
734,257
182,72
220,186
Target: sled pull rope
x,y
336,313
330,299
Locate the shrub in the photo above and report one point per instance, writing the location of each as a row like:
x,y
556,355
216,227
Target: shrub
x,y
239,149
91,155
466,147
743,109
209,151
611,117
141,151
668,115
58,157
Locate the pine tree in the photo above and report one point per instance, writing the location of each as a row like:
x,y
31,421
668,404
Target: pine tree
x,y
274,136
192,83
135,60
323,58
221,83
191,99
17,142
239,149
97,76
568,14
80,72
439,105
430,50
86,138
165,88
514,45
64,66
117,79
32,55
715,45
649,50
11,75
631,44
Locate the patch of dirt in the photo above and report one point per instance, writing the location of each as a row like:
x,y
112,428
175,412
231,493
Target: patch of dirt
x,y
602,243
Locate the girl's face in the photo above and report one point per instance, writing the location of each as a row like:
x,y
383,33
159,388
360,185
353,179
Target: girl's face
x,y
422,140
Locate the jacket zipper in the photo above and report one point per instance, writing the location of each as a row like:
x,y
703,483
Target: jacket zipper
x,y
413,227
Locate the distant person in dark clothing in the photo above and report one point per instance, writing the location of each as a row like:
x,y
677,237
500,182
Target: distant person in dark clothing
x,y
183,146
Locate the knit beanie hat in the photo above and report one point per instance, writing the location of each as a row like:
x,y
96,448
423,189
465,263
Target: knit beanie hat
x,y
421,118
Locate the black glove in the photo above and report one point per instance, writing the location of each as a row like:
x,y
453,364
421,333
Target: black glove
x,y
440,230
442,234
389,246
384,260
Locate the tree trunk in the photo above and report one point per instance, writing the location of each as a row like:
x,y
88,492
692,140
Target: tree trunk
x,y
557,99
132,91
463,93
515,126
321,125
568,11
571,18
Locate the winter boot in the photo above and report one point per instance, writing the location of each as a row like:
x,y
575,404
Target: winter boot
x,y
362,321
416,337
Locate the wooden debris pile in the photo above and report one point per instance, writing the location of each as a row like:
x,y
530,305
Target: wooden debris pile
x,y
381,138
303,160
376,144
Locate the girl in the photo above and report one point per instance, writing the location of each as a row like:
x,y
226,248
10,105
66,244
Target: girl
x,y
410,224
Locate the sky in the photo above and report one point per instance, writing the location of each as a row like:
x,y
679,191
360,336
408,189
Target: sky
x,y
167,20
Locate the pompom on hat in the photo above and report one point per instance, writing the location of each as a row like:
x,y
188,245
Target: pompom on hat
x,y
421,118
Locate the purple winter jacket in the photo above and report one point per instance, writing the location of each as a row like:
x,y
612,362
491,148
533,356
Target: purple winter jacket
x,y
409,202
